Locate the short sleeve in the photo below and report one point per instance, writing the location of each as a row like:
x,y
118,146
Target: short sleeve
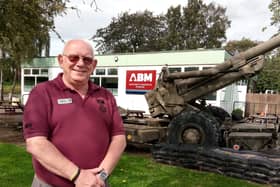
x,y
35,117
117,127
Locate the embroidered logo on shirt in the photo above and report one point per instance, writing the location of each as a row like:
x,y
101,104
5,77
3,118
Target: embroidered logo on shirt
x,y
28,126
64,101
101,103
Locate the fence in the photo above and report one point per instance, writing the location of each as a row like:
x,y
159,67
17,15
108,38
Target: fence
x,y
262,103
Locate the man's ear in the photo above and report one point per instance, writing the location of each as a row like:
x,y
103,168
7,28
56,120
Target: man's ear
x,y
60,59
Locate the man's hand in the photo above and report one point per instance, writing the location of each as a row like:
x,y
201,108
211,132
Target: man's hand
x,y
89,177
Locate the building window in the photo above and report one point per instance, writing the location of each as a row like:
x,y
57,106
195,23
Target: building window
x,y
112,71
41,79
191,69
111,83
33,76
44,71
35,71
242,82
95,80
211,96
27,71
206,67
100,72
29,83
107,80
175,69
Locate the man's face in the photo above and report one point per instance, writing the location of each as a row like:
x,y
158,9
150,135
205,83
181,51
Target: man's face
x,y
77,62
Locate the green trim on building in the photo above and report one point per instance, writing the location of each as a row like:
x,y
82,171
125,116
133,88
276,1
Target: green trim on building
x,y
189,57
197,57
44,62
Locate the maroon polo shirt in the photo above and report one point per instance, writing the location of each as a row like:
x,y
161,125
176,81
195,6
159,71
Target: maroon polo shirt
x,y
80,128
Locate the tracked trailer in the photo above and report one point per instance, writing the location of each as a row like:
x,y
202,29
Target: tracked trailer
x,y
187,132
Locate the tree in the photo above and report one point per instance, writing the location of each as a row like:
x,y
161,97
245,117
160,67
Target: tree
x,y
235,46
275,19
269,78
204,26
196,26
217,23
275,9
174,22
140,31
24,31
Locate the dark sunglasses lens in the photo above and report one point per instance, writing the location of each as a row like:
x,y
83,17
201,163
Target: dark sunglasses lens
x,y
73,58
87,60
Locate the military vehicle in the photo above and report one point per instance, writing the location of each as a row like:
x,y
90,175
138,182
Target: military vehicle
x,y
185,131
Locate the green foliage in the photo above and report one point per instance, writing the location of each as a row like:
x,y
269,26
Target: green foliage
x,y
174,22
275,9
130,33
217,24
239,46
204,26
25,26
196,26
237,114
24,32
132,171
269,78
8,87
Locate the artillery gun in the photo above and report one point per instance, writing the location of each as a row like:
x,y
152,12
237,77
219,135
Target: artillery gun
x,y
186,132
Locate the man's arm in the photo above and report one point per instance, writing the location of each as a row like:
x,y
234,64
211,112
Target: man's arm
x,y
50,157
53,160
114,153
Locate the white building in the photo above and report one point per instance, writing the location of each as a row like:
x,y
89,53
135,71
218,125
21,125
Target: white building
x,y
129,76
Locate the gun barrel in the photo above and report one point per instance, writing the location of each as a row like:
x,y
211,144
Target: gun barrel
x,y
175,90
262,48
200,73
258,50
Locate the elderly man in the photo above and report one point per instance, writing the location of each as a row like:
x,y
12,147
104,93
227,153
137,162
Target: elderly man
x,y
72,127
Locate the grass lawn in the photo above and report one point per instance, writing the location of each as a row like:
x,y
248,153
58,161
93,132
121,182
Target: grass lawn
x,y
132,171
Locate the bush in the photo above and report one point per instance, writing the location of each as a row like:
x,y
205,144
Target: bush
x,y
237,114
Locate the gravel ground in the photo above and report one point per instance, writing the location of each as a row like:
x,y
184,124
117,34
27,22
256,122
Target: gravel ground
x,y
10,134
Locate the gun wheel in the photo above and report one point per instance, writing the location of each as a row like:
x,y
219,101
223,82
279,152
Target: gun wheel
x,y
193,128
219,113
192,135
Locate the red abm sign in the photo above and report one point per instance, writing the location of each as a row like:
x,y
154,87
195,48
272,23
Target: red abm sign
x,y
140,81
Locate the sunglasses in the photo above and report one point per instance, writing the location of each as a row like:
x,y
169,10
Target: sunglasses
x,y
75,58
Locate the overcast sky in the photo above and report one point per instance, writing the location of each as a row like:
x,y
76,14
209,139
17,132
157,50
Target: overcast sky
x,y
247,18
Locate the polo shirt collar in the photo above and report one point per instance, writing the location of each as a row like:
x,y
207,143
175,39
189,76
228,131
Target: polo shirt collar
x,y
59,82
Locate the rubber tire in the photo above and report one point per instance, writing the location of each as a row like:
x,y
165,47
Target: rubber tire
x,y
219,113
202,121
